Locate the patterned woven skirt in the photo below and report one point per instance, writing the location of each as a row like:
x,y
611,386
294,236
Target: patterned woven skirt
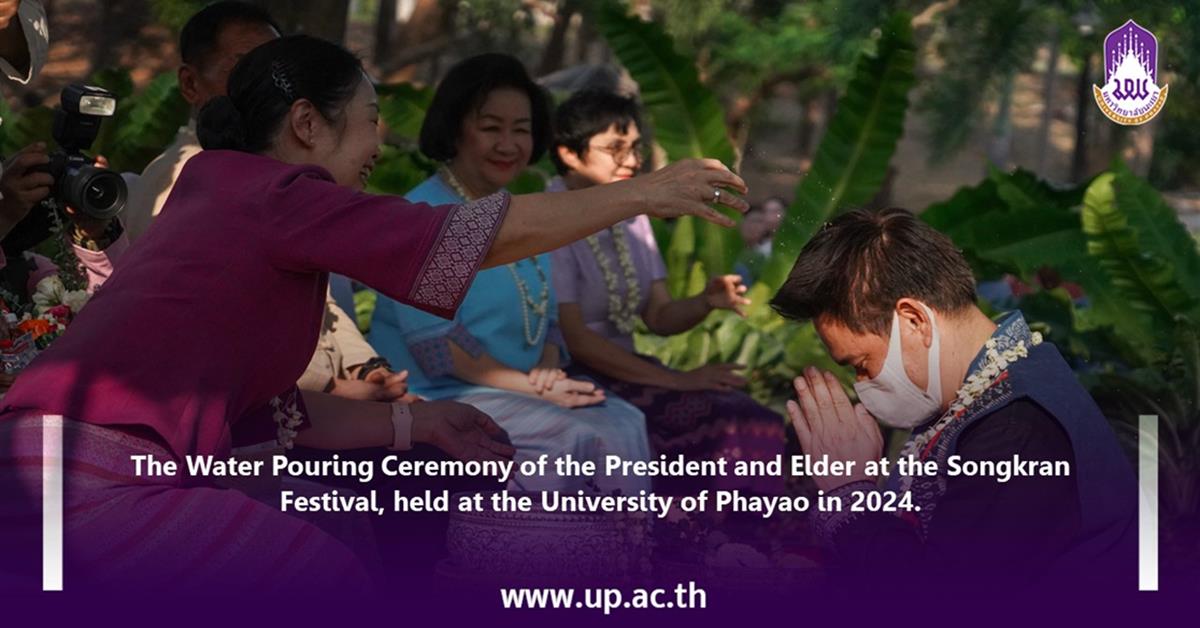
x,y
703,425
122,530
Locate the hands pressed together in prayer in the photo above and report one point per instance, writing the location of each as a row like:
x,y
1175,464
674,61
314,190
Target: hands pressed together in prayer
x,y
827,424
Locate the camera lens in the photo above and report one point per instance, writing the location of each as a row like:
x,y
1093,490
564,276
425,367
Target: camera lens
x,y
100,193
97,192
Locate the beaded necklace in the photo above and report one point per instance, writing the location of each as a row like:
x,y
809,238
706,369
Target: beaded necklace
x,y
539,307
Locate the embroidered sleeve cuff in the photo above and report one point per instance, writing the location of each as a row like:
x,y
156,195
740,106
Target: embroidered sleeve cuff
x,y
464,241
433,354
826,525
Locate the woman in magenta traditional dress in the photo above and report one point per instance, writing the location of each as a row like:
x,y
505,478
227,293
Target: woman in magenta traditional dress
x,y
215,314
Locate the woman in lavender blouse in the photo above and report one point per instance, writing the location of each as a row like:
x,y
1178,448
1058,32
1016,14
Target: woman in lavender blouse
x,y
609,280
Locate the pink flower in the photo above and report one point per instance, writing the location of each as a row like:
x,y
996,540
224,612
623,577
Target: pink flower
x,y
61,312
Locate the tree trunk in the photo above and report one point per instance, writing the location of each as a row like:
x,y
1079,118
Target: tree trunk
x,y
1000,144
428,23
326,19
1140,148
556,49
1048,82
385,24
1083,94
103,43
118,28
588,38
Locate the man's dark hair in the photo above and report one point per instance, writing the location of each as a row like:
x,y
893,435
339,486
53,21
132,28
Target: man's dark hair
x,y
465,89
855,269
199,36
586,114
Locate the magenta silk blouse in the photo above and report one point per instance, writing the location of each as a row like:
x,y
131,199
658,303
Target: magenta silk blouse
x,y
218,308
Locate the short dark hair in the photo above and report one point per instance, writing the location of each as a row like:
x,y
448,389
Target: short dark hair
x,y
586,114
464,90
265,83
855,269
199,36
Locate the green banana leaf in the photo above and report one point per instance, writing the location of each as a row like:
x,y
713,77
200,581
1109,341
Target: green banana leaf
x,y
402,107
688,122
1158,228
1149,284
852,160
399,170
1016,224
22,129
144,124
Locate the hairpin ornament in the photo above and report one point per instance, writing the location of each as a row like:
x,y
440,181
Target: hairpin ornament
x,y
279,75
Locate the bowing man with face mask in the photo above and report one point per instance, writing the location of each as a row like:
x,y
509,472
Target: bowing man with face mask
x,y
894,299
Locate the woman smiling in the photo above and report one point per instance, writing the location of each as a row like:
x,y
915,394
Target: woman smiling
x,y
187,338
502,353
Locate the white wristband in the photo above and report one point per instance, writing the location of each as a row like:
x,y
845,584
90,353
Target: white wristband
x,y
402,420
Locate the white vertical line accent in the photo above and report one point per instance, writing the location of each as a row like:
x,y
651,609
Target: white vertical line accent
x,y
1148,504
52,503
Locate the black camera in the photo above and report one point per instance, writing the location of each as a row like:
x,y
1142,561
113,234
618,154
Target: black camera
x,y
94,191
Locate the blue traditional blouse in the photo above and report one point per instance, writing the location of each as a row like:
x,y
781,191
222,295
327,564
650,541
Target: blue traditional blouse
x,y
492,320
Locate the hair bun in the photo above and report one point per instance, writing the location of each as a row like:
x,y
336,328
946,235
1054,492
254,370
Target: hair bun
x,y
220,125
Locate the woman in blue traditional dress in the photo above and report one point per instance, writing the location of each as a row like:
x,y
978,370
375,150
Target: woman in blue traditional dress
x,y
502,352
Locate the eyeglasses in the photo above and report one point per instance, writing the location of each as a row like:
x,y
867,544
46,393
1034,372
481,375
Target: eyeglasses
x,y
621,152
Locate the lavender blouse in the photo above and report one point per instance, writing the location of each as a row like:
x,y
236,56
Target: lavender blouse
x,y
578,277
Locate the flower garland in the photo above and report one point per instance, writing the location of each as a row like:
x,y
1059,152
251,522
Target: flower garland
x,y
287,417
621,312
995,364
70,268
540,306
33,326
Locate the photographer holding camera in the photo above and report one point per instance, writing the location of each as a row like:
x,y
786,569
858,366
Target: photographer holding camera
x,y
44,193
25,179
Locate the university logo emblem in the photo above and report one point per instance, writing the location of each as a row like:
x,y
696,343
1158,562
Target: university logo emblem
x,y
1131,94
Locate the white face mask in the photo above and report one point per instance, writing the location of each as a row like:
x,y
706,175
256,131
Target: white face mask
x,y
891,396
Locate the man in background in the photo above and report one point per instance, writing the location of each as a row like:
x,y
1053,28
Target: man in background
x,y
210,45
